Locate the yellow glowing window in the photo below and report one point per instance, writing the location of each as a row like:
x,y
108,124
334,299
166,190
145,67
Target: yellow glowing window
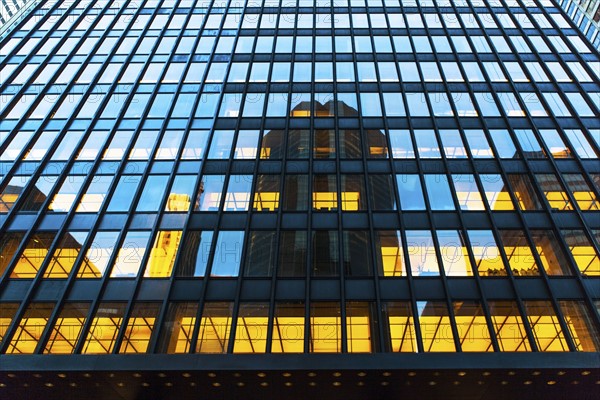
x,y
358,328
162,256
390,257
215,328
104,329
587,201
436,330
583,252
30,329
288,328
325,201
496,193
9,244
300,113
453,251
472,328
508,326
33,256
402,327
139,328
351,201
63,258
325,328
178,202
178,328
251,329
545,326
7,313
266,201
67,329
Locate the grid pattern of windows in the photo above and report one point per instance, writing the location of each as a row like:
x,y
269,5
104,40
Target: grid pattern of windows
x,y
293,177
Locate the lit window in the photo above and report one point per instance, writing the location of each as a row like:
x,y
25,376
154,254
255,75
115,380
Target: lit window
x,y
436,328
545,326
178,328
30,328
215,328
251,328
509,327
325,328
67,329
288,328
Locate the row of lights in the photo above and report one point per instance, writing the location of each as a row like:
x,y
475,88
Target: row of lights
x,y
289,374
289,384
310,374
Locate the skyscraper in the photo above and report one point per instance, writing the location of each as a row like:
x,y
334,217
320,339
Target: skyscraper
x,y
586,15
359,199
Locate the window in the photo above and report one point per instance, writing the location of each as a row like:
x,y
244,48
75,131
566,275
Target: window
x,y
251,328
261,256
436,331
411,193
325,328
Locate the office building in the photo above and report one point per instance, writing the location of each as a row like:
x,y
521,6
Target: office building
x,y
351,199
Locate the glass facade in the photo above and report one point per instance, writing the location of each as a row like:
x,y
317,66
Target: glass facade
x,y
357,176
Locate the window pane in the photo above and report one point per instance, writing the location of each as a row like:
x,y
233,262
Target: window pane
x,y
130,255
581,325
215,328
209,193
292,254
436,330
402,336
471,325
325,328
260,257
453,250
438,189
139,328
422,253
545,326
30,328
162,256
288,328
104,329
251,328
358,327
178,328
228,253
195,254
325,253
508,326
238,193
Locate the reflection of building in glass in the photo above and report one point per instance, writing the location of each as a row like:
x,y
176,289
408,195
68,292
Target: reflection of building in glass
x,y
366,199
586,15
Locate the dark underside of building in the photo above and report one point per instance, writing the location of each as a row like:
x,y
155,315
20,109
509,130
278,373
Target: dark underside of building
x,y
383,376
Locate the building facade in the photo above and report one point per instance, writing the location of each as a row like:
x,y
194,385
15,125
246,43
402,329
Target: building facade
x,y
586,15
356,199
